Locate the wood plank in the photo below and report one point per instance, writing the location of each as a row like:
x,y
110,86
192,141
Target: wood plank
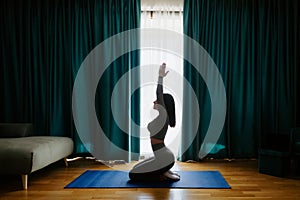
x,y
242,175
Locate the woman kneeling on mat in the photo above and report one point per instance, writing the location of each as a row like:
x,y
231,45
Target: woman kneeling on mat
x,y
157,168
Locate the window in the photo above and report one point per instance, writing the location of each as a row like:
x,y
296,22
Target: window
x,y
161,17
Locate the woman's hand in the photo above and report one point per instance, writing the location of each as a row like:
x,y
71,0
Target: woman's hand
x,y
162,70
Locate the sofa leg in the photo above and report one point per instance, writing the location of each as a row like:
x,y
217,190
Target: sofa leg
x,y
25,181
66,162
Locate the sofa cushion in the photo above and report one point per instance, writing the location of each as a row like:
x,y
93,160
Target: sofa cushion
x,y
28,154
9,130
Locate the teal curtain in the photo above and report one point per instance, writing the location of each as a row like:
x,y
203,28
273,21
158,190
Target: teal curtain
x,y
255,45
43,43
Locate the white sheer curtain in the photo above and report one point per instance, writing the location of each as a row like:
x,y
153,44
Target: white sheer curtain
x,y
162,15
162,5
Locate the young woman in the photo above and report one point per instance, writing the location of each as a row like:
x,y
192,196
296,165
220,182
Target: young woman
x,y
157,168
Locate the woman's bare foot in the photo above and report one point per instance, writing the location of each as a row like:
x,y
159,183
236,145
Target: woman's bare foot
x,y
171,177
174,173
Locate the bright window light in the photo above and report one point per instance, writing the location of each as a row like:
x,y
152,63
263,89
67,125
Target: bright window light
x,y
171,20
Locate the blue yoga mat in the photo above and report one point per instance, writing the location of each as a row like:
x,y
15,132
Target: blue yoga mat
x,y
120,179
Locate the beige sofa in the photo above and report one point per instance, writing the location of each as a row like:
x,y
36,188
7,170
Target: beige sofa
x,y
22,153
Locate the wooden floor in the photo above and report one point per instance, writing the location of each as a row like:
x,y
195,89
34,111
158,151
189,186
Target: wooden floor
x,y
242,175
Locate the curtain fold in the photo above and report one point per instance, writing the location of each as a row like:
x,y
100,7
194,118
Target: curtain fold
x,y
255,45
43,44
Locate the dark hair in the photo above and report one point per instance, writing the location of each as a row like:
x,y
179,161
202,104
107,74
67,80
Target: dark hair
x,y
170,107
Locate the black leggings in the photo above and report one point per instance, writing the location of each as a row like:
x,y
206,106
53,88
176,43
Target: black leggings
x,y
152,168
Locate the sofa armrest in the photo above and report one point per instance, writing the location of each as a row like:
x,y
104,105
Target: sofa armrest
x,y
14,130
